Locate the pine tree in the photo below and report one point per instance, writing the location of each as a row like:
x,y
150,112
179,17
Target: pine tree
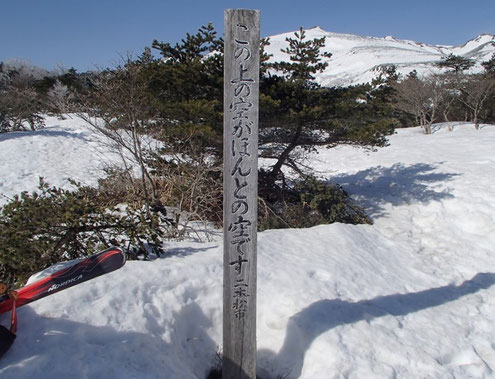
x,y
489,65
305,57
188,82
456,63
290,103
296,114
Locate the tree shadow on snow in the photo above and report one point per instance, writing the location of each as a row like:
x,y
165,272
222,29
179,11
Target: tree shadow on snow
x,y
45,132
183,252
396,185
61,348
318,318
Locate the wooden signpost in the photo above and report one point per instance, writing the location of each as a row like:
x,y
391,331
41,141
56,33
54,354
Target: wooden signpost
x,y
240,213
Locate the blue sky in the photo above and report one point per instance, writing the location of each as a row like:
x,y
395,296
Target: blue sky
x,y
86,34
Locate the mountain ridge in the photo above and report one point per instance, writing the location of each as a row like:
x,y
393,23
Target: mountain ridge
x,y
359,59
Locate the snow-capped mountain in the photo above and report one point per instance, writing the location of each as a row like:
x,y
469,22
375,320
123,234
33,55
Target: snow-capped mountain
x,y
356,59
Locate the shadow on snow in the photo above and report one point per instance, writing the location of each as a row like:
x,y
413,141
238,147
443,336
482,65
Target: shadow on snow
x,y
45,132
395,185
320,317
183,252
90,351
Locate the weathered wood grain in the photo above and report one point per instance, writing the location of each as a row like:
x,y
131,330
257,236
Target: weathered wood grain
x,y
241,98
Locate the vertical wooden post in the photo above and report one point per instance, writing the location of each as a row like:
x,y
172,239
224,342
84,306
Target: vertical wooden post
x,y
241,95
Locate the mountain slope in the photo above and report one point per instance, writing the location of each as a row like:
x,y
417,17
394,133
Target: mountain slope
x,y
357,59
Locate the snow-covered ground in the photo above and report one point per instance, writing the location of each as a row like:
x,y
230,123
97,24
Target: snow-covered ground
x,y
63,149
411,296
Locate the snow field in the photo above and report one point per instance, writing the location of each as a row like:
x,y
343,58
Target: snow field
x,y
411,296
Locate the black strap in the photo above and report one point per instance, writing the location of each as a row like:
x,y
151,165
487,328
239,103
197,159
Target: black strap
x,y
7,336
6,340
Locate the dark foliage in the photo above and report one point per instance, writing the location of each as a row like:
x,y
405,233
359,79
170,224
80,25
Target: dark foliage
x,y
188,84
297,115
489,65
20,104
456,63
54,225
305,203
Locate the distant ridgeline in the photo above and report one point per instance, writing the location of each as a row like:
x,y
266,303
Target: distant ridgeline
x,y
355,59
358,60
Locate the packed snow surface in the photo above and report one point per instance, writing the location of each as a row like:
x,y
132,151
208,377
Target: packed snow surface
x,y
411,296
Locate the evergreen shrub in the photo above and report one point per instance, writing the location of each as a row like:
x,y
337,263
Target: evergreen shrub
x,y
305,203
52,225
